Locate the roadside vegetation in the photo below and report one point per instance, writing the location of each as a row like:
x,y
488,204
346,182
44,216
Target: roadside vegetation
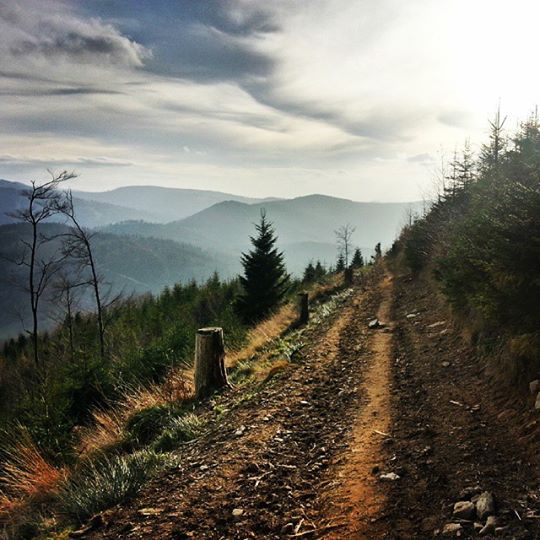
x,y
481,242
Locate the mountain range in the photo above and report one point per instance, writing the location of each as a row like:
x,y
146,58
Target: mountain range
x,y
139,247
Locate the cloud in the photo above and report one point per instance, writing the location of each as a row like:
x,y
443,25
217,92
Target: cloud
x,y
263,96
52,34
64,161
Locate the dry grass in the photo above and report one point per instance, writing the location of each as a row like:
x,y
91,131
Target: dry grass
x,y
274,326
26,478
107,428
264,332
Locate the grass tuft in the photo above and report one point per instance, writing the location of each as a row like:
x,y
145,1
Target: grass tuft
x,y
180,430
26,474
103,482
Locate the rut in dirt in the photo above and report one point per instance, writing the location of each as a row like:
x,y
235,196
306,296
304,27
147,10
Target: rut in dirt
x,y
358,498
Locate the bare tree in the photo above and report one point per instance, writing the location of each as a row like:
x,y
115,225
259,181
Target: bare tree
x,y
78,246
344,235
66,292
43,202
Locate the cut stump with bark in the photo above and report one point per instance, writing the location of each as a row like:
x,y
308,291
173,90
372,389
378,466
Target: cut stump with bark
x,y
303,308
210,373
349,276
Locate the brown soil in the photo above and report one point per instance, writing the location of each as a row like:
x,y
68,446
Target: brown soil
x,y
357,496
301,456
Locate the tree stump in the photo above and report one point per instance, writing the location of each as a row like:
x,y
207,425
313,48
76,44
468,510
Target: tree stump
x,y
349,275
303,307
210,374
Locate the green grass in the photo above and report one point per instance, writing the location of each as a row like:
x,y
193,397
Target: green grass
x,y
179,430
108,480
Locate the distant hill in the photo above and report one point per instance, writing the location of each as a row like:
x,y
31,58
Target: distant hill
x,y
152,204
131,264
91,213
167,204
227,226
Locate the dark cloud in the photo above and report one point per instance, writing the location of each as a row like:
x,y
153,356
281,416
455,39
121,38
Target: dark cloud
x,y
204,41
375,124
36,92
29,34
82,48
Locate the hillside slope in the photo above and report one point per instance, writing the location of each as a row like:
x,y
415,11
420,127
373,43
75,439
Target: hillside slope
x,y
130,264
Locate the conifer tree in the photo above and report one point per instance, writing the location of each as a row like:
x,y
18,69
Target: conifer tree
x,y
340,264
309,273
265,280
320,271
358,260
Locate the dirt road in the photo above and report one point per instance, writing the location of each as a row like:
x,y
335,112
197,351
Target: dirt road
x,y
305,455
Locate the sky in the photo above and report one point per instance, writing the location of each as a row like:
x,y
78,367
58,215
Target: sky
x,y
356,99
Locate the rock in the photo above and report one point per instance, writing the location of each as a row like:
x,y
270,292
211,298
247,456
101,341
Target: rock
x,y
391,476
374,324
237,512
489,527
436,324
534,387
485,505
452,528
537,403
240,431
445,364
464,510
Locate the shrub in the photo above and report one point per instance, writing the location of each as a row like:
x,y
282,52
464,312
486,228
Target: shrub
x,y
106,481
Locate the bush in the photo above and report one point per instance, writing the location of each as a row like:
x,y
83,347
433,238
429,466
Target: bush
x,y
106,481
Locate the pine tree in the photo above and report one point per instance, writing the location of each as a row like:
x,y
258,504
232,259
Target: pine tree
x,y
492,153
265,280
309,273
340,264
357,260
320,271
